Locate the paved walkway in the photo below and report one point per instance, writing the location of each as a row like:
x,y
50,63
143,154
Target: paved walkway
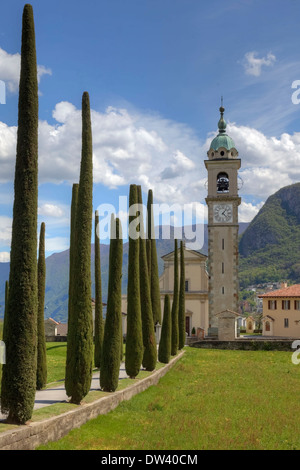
x,y
57,394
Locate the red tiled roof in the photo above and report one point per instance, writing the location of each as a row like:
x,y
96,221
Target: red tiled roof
x,y
51,319
292,291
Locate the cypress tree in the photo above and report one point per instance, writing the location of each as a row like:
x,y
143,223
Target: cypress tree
x,y
41,371
164,349
80,341
152,253
134,338
19,372
181,306
174,313
99,324
148,250
150,349
71,275
110,360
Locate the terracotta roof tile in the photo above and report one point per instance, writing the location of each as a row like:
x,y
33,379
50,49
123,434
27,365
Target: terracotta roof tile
x,y
292,291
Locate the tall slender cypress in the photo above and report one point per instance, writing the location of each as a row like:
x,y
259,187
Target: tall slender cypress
x,y
181,306
41,371
150,349
148,251
99,323
174,312
164,349
19,372
80,341
71,276
154,279
134,338
110,360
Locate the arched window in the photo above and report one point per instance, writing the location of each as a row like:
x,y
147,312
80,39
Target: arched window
x,y
268,327
222,183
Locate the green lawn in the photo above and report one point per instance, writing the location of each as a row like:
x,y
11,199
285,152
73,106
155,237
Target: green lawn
x,y
211,399
56,361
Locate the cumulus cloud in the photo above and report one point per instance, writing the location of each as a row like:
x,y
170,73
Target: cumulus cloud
x,y
253,65
166,156
268,163
128,147
247,211
5,230
56,244
50,210
4,257
10,70
181,164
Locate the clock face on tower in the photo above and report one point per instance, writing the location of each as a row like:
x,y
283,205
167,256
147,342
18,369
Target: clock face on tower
x,y
222,212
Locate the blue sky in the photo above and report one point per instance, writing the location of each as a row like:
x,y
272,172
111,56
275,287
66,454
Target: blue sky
x,y
155,72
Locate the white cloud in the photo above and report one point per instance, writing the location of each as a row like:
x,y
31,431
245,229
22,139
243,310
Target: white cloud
x,y
10,70
166,156
5,230
4,257
247,211
50,210
267,163
128,147
56,244
181,164
253,65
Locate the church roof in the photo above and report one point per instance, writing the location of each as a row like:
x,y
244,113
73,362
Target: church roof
x,y
197,253
222,140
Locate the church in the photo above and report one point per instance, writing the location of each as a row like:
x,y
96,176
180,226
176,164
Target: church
x,y
211,283
212,295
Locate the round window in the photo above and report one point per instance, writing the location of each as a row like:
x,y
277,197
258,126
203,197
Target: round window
x,y
222,153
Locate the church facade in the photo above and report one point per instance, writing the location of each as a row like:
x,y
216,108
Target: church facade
x,y
196,289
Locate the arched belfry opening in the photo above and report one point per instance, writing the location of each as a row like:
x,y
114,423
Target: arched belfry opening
x,y
222,183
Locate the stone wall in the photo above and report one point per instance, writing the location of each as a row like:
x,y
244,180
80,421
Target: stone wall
x,y
246,344
56,339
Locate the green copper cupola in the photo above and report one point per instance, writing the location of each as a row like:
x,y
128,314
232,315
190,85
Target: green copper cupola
x,y
222,146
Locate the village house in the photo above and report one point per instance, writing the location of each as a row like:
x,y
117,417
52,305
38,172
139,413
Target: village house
x,y
281,312
54,328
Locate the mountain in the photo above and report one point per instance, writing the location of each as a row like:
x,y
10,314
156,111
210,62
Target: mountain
x,y
270,246
57,273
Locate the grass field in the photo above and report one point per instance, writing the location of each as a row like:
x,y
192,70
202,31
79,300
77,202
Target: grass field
x,y
56,361
211,399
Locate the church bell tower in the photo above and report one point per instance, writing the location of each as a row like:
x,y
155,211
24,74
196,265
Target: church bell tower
x,y
223,229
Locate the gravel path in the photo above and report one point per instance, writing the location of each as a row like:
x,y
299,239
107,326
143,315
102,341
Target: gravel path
x,y
57,394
